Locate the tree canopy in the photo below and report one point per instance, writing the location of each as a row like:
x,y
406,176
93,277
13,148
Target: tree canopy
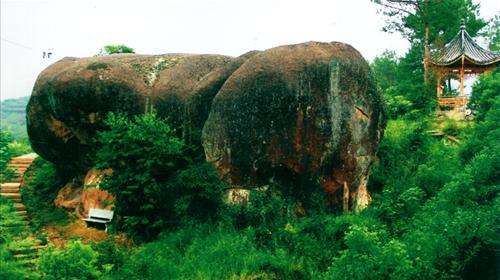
x,y
113,49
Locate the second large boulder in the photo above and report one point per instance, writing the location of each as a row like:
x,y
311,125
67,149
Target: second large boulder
x,y
307,111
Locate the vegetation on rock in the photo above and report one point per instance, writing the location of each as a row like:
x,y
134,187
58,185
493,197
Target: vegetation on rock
x,y
114,49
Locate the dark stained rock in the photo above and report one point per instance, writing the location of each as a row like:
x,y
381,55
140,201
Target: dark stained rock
x,y
309,110
198,105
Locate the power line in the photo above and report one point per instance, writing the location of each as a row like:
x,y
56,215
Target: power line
x,y
17,44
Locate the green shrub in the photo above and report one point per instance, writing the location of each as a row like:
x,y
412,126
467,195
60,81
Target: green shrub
x,y
265,209
153,180
97,65
397,105
199,192
209,253
112,49
369,255
76,261
41,185
110,256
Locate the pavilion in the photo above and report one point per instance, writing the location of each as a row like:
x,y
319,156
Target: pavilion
x,y
461,57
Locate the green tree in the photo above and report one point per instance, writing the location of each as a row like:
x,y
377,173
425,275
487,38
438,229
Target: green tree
x,y
112,49
430,22
390,80
385,69
155,184
493,33
144,155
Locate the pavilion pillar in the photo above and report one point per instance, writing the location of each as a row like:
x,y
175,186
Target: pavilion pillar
x,y
462,74
439,87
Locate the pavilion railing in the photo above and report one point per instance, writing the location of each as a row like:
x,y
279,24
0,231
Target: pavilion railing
x,y
453,102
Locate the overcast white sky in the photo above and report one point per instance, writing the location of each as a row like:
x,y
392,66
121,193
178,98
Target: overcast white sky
x,y
231,27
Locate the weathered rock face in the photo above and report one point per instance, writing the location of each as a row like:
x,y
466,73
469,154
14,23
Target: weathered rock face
x,y
307,110
72,97
175,85
201,96
80,195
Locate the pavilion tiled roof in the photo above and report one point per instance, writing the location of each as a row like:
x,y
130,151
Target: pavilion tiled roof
x,y
464,46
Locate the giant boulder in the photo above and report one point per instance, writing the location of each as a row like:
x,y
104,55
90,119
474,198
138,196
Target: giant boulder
x,y
72,97
309,111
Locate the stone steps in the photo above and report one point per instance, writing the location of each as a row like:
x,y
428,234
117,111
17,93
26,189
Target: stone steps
x,y
11,190
19,207
27,255
17,224
11,185
28,250
21,161
11,195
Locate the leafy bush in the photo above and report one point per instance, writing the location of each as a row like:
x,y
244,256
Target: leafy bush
x,y
397,105
110,255
154,184
369,256
76,261
200,191
41,185
206,253
112,49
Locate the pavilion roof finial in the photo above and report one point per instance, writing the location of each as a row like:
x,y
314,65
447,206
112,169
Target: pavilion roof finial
x,y
462,24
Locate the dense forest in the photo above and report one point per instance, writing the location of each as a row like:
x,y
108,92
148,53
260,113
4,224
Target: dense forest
x,y
434,215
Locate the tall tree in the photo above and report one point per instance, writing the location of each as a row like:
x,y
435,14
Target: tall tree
x,y
429,22
493,33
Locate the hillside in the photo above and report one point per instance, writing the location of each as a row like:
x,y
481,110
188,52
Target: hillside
x,y
301,161
13,117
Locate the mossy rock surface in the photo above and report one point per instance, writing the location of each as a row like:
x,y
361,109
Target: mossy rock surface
x,y
309,110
